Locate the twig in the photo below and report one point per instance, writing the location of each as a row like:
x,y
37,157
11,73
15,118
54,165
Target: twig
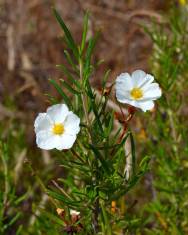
x,y
46,157
61,189
122,16
19,164
128,155
11,49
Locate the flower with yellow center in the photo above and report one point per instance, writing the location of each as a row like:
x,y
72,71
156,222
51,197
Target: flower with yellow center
x,y
57,128
137,89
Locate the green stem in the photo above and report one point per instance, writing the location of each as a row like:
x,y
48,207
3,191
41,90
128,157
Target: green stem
x,y
85,107
84,97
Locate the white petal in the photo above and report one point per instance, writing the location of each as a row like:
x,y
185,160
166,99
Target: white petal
x,y
138,77
65,141
137,74
58,112
123,87
150,87
42,122
147,105
131,102
123,95
148,80
152,92
71,124
46,140
124,81
144,105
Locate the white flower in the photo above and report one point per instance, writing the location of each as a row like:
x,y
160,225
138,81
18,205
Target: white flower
x,y
74,212
137,89
57,128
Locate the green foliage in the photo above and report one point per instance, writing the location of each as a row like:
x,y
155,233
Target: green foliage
x,y
95,166
168,211
8,198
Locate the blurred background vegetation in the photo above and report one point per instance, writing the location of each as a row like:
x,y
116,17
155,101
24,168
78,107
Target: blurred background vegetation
x,y
149,35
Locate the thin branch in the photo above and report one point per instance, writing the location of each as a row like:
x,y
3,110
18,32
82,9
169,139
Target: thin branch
x,y
122,16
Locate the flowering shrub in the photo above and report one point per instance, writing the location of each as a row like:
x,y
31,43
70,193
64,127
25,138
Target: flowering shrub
x,y
91,173
100,172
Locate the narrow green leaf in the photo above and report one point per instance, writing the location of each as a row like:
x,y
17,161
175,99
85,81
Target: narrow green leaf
x,y
70,61
69,88
106,222
19,230
60,91
68,36
85,29
21,198
108,130
91,46
105,78
13,220
102,105
69,76
124,140
116,151
61,197
173,76
94,108
68,182
144,164
116,136
89,91
51,99
100,157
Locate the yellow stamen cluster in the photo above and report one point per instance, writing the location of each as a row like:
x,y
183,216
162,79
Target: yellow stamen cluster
x,y
136,93
58,129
